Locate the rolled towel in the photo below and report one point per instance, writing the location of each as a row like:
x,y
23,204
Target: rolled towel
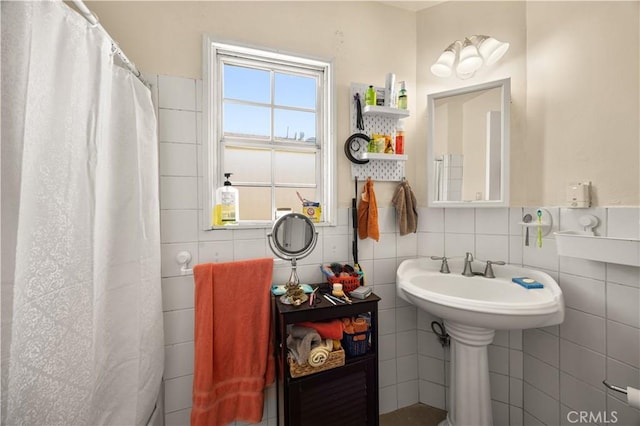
x,y
359,326
320,353
348,325
318,356
300,340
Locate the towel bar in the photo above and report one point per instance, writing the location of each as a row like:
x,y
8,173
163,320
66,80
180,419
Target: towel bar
x,y
614,387
184,257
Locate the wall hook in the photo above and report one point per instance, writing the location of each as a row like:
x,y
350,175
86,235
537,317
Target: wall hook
x,y
183,258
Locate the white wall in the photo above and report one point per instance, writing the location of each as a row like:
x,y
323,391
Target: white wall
x,y
366,40
439,26
574,69
583,83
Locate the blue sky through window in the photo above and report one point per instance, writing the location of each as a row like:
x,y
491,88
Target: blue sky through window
x,y
253,85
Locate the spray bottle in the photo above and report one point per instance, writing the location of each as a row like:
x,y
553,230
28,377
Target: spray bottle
x,y
226,211
402,96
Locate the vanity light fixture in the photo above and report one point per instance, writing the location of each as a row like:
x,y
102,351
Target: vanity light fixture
x,y
468,56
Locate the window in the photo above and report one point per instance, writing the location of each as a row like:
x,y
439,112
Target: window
x,y
268,120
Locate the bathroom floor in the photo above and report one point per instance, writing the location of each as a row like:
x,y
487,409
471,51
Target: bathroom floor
x,y
414,415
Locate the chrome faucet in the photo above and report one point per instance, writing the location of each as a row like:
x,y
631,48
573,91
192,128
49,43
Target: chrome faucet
x,y
468,258
444,268
488,270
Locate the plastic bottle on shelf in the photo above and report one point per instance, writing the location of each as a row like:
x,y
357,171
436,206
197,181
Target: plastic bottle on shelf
x,y
402,96
370,96
400,138
226,211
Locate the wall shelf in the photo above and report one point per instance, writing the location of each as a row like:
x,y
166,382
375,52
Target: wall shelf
x,y
387,157
385,111
603,249
381,120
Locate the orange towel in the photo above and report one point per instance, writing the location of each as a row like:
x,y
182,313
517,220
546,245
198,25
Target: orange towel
x,y
355,325
233,341
368,213
326,329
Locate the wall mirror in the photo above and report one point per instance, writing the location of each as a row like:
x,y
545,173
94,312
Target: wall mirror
x,y
468,146
293,237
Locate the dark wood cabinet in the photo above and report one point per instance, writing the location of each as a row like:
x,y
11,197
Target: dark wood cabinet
x,y
341,396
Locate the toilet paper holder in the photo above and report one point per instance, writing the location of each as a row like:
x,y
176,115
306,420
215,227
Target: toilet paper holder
x,y
614,387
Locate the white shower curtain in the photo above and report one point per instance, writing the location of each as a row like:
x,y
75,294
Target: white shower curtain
x,y
80,226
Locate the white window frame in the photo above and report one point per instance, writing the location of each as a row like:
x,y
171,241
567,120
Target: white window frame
x,y
212,149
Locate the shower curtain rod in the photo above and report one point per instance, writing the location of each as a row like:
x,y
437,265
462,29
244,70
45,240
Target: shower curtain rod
x,y
93,20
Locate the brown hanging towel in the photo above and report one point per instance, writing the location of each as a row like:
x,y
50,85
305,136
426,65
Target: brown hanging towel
x,y
405,203
368,213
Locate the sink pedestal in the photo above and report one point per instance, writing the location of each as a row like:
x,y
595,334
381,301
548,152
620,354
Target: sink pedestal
x,y
469,390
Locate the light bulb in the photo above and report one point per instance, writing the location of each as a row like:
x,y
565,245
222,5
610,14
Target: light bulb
x,y
492,50
444,64
470,60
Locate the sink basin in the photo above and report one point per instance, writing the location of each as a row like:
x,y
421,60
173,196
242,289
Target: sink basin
x,y
493,303
472,309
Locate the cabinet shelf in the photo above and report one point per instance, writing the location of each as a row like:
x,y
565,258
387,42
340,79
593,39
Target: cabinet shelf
x,y
385,111
387,157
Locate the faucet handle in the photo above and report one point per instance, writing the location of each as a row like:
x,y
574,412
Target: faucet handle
x,y
444,268
488,270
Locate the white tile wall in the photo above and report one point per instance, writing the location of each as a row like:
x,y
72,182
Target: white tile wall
x,y
492,221
623,222
580,396
583,294
542,407
599,337
583,363
584,329
543,376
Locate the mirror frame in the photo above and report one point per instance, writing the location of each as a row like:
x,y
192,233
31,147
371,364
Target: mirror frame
x,y
281,251
505,96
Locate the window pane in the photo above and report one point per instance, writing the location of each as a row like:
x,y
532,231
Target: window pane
x,y
295,91
247,164
255,203
246,120
246,84
295,167
295,125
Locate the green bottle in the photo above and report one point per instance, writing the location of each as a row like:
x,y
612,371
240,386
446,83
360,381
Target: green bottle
x,y
402,96
370,96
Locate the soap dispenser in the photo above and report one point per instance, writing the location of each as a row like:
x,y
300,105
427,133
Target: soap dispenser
x,y
226,211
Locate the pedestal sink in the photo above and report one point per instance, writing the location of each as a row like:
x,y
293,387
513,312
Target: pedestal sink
x,y
472,309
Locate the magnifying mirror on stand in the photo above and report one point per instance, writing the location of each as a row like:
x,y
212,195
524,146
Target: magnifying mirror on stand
x,y
293,237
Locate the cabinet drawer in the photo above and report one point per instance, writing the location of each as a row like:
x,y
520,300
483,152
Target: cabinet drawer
x,y
337,398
